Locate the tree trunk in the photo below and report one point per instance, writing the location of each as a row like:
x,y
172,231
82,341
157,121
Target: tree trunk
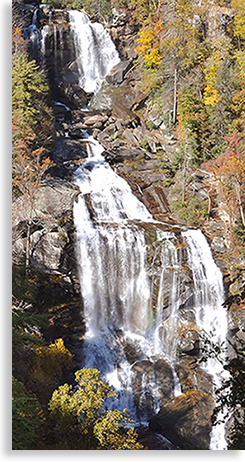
x,y
28,243
238,193
185,165
175,97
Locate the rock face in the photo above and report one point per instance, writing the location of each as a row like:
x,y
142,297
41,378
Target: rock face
x,y
185,420
52,234
113,118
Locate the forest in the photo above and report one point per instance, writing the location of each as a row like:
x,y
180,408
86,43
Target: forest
x,y
193,75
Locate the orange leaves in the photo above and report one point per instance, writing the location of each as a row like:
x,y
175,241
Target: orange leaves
x,y
18,43
232,162
29,168
229,170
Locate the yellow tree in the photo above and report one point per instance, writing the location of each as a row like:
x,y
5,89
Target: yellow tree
x,y
80,413
239,19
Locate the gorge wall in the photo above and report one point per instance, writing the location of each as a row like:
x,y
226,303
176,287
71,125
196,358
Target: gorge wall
x,y
112,117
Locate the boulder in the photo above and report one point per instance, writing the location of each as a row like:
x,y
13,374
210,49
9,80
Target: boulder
x,y
130,138
56,197
68,150
218,244
73,95
117,73
120,154
95,120
186,420
61,111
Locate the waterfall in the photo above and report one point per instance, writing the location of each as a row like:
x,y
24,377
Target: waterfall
x,y
132,304
95,52
135,293
117,294
33,34
209,298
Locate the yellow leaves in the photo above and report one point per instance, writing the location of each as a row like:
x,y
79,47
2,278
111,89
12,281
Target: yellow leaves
x,y
239,20
108,431
83,408
51,359
211,94
149,44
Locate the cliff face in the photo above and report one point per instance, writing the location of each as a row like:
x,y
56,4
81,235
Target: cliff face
x,y
112,119
131,129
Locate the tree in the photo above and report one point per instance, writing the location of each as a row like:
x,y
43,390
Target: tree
x,y
31,110
230,397
211,94
110,435
229,169
26,417
239,20
24,324
149,44
27,85
50,360
80,419
28,171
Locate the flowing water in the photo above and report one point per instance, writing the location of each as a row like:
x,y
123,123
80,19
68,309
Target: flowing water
x,y
117,291
95,51
132,336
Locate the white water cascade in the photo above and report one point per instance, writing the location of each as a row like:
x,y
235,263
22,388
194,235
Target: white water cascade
x,y
209,298
117,295
134,303
95,51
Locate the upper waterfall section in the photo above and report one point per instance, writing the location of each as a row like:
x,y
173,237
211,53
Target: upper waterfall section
x,y
96,54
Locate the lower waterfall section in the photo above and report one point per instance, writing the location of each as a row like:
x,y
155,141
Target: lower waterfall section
x,y
150,291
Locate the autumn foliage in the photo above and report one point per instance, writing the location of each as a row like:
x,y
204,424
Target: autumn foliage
x,y
229,170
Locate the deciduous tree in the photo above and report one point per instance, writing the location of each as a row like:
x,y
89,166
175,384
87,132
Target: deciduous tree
x,y
81,421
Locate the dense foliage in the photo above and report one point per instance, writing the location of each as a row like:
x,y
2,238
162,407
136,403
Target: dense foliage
x,y
80,412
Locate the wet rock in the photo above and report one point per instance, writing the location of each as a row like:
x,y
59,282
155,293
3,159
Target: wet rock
x,y
67,150
73,95
154,441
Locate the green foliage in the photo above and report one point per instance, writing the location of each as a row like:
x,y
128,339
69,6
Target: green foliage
x,y
230,397
193,210
80,420
32,120
193,117
25,323
28,84
26,416
93,7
